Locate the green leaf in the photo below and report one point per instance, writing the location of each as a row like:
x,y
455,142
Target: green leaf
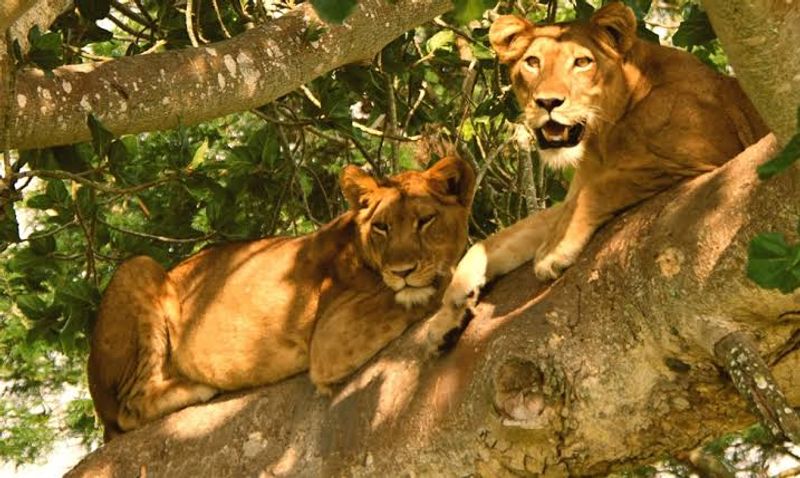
x,y
57,192
640,7
442,39
93,9
31,305
695,29
782,160
199,156
87,202
42,245
9,229
772,263
468,10
101,137
334,11
583,10
40,201
45,49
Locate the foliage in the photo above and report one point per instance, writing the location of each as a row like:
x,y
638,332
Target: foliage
x,y
75,212
772,263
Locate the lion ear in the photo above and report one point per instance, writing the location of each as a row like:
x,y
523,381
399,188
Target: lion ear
x,y
355,183
510,37
619,22
453,177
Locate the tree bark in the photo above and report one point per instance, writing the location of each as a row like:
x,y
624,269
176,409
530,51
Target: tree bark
x,y
10,10
613,364
159,91
760,38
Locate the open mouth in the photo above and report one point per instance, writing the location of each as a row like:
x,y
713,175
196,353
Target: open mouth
x,y
556,135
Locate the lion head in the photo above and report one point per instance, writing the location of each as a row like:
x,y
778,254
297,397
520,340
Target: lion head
x,y
412,227
569,77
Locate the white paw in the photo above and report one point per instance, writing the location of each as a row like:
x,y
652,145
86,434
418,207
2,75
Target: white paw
x,y
469,278
551,266
447,318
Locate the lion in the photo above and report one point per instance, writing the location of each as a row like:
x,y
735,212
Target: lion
x,y
633,117
252,313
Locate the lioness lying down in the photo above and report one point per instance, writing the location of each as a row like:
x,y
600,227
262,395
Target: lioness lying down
x,y
634,117
252,313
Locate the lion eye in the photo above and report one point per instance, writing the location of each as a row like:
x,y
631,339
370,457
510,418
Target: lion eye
x,y
533,61
583,62
380,228
425,221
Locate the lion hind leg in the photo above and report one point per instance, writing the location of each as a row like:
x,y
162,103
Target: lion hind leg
x,y
159,398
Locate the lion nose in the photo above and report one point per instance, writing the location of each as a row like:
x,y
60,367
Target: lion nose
x,y
549,103
403,270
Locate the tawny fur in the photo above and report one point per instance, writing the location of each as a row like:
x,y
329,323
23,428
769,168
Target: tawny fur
x,y
653,116
252,313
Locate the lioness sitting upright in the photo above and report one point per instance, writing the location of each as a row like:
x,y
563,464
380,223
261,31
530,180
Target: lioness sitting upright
x,y
634,117
252,313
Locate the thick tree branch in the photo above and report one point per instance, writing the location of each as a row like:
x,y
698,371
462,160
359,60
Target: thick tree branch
x,y
10,10
613,364
760,38
159,91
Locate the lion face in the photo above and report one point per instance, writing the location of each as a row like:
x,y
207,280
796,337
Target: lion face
x,y
412,227
568,77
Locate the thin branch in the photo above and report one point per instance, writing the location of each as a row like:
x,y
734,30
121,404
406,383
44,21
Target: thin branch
x,y
219,19
156,237
94,185
122,26
190,24
136,17
51,232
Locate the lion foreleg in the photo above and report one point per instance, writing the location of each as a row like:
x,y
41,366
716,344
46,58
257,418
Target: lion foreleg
x,y
497,255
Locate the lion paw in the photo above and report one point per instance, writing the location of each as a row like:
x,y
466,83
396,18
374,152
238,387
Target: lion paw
x,y
441,325
551,266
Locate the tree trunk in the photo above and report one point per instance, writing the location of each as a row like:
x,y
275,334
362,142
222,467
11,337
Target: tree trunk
x,y
163,90
613,364
760,38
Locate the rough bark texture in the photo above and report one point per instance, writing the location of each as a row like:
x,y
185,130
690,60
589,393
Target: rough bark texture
x,y
158,91
760,38
10,10
612,364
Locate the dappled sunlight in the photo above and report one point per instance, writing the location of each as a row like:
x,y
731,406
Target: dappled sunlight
x,y
399,382
284,466
195,422
720,224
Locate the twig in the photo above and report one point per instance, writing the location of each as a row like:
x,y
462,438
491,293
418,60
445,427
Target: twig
x,y
88,232
55,174
176,240
219,19
144,12
391,124
125,10
383,134
311,96
190,24
122,26
51,232
754,381
414,108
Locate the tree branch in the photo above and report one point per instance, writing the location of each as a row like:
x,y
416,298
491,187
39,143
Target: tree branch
x,y
754,34
609,366
161,90
11,10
